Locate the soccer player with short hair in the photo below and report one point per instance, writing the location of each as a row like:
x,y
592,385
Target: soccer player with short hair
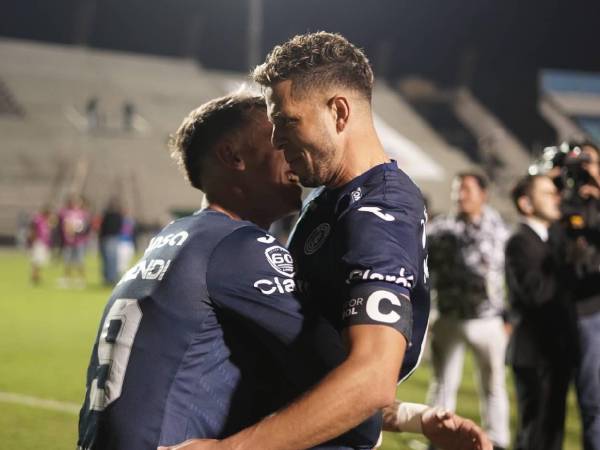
x,y
359,247
204,335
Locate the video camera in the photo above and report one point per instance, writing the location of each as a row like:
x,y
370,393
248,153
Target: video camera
x,y
565,165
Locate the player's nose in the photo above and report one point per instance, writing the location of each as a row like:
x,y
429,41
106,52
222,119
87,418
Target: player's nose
x,y
277,138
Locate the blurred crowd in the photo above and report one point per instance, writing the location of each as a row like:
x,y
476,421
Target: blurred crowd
x,y
66,234
527,297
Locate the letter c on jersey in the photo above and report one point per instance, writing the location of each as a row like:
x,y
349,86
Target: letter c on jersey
x,y
374,311
258,285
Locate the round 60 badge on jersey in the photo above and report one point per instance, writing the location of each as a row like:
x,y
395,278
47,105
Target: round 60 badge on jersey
x,y
280,260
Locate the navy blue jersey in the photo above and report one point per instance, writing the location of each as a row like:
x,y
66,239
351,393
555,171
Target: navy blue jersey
x,y
360,252
203,337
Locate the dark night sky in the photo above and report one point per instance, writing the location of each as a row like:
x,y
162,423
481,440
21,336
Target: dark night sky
x,y
423,36
505,42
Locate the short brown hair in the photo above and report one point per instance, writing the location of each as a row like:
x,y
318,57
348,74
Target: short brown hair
x,y
481,180
523,188
206,125
318,59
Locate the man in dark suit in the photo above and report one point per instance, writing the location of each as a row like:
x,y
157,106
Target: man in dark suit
x,y
542,346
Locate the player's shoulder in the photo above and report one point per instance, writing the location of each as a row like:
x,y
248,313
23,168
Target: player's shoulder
x,y
248,237
388,196
256,258
247,246
203,230
397,186
182,245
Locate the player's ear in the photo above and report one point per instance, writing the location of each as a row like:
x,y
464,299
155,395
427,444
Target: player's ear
x,y
228,153
340,110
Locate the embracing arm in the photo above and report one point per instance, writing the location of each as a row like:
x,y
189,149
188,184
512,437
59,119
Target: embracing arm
x,y
445,429
363,384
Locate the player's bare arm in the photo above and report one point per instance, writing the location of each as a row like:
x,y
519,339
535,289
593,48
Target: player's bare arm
x,y
363,384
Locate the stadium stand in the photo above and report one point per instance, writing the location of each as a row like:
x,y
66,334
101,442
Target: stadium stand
x,y
474,135
95,122
400,115
503,156
8,103
570,102
52,149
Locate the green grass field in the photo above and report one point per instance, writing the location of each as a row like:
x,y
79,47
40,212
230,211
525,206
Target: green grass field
x,y
46,336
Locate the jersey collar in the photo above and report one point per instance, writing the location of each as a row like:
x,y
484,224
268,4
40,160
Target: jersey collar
x,y
360,180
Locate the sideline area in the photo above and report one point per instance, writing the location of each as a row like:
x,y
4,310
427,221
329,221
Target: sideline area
x,y
36,402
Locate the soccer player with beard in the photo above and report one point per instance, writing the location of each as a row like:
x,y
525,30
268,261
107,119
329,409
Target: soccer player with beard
x,y
360,251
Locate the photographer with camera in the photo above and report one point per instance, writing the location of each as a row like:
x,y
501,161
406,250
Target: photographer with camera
x,y
542,347
579,181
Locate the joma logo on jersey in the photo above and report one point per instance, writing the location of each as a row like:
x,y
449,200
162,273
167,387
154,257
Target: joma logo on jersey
x,y
280,260
273,285
377,211
173,239
153,269
402,278
266,239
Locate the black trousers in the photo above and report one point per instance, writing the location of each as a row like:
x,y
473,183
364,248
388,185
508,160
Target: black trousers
x,y
541,402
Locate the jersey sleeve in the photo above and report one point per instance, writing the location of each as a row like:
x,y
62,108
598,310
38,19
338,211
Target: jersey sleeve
x,y
251,276
383,255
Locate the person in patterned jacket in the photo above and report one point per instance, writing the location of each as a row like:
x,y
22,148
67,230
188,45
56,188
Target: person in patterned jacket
x,y
466,263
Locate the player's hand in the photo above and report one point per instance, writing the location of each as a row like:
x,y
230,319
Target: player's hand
x,y
194,444
448,431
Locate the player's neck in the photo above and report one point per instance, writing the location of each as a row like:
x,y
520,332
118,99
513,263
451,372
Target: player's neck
x,y
238,202
239,213
360,155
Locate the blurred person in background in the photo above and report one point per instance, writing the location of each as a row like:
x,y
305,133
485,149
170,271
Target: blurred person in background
x,y
75,225
23,231
39,240
128,115
542,348
109,239
92,113
466,263
126,247
581,226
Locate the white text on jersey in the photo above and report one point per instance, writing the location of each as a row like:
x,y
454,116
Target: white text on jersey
x,y
402,278
273,285
153,269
